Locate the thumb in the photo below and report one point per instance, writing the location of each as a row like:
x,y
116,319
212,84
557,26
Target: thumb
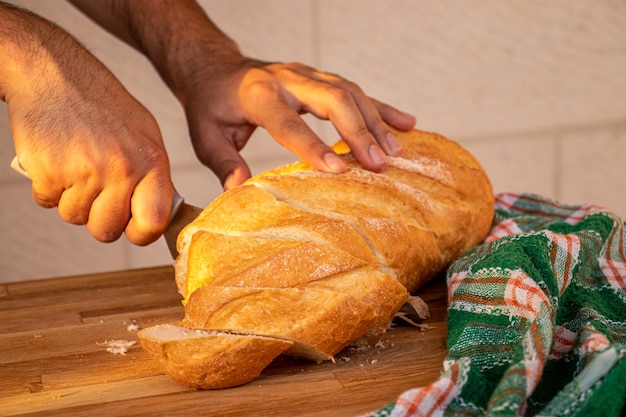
x,y
223,158
236,176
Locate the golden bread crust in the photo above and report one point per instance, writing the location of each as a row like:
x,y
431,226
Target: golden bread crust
x,y
316,259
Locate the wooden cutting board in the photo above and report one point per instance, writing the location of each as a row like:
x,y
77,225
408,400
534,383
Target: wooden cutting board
x,y
53,360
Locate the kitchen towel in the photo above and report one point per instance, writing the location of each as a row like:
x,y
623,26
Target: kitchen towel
x,y
536,318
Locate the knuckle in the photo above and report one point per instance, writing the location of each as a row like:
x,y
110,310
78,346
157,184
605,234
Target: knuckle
x,y
292,127
360,137
363,132
261,88
288,70
44,200
294,66
341,97
78,218
155,156
106,234
124,170
351,86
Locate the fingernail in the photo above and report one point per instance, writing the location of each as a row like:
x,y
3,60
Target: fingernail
x,y
377,156
410,119
231,181
228,182
334,163
394,146
408,115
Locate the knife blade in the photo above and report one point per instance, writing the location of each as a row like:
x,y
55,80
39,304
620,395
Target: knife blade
x,y
180,216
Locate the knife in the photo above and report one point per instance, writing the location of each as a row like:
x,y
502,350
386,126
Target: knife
x,y
180,216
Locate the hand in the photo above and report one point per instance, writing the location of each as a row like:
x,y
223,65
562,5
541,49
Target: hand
x,y
88,146
226,95
224,109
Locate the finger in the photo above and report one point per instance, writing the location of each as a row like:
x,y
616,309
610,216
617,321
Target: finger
x,y
151,204
46,192
109,213
376,115
394,117
226,162
286,126
236,176
75,204
221,156
266,103
357,104
46,198
338,105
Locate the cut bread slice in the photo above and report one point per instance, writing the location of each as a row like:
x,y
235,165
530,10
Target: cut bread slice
x,y
209,359
248,210
241,261
323,319
368,284
246,213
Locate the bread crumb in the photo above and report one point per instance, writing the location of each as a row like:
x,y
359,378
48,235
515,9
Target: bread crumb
x,y
133,327
117,347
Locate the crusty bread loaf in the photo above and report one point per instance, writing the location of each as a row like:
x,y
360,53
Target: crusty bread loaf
x,y
321,259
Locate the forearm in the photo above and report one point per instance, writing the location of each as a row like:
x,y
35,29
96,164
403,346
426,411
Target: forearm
x,y
37,56
21,45
176,35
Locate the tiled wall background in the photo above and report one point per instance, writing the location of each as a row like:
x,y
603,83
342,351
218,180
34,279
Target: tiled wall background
x,y
536,90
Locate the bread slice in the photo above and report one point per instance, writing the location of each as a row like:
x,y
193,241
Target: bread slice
x,y
242,261
380,290
245,213
325,320
210,359
250,210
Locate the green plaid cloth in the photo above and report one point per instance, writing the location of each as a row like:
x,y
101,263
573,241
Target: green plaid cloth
x,y
536,318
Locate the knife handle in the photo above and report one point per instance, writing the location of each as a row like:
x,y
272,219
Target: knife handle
x,y
177,200
15,164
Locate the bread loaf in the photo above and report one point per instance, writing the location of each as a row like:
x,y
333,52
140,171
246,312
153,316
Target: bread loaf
x,y
317,259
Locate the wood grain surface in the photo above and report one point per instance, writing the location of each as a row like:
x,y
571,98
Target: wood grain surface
x,y
52,361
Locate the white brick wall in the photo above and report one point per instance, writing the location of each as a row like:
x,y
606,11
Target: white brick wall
x,y
536,90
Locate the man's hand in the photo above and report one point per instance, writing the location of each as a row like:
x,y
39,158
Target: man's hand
x,y
224,109
88,146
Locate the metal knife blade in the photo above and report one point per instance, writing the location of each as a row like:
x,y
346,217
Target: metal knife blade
x,y
181,215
